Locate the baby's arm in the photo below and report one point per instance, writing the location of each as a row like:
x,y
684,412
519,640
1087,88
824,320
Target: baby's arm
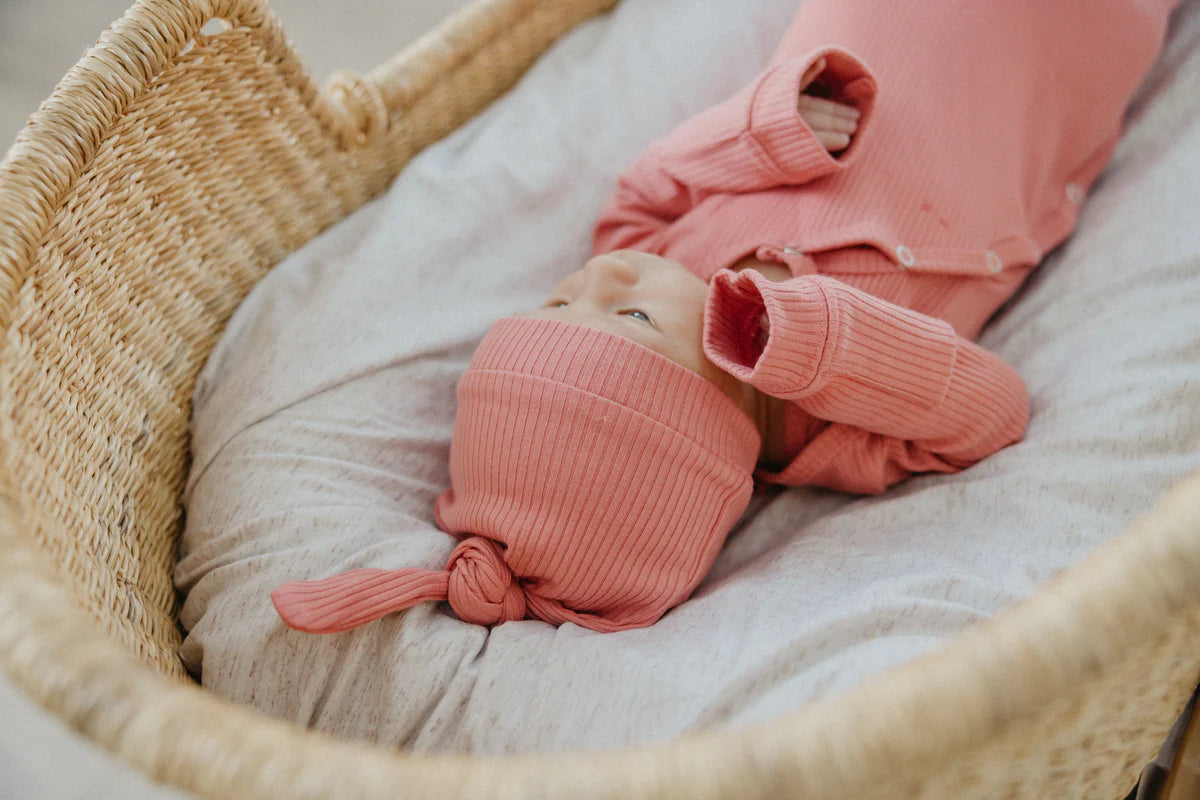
x,y
770,133
934,400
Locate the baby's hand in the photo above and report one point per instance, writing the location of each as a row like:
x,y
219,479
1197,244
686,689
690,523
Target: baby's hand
x,y
833,123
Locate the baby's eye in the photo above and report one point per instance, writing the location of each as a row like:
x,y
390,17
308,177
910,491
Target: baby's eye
x,y
556,304
638,314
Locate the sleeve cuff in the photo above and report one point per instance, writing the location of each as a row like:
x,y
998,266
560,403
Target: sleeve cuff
x,y
786,361
780,131
896,350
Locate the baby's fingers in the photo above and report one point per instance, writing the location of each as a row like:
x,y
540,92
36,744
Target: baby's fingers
x,y
829,114
811,75
833,141
832,129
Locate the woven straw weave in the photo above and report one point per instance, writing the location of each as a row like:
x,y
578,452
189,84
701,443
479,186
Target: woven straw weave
x,y
168,171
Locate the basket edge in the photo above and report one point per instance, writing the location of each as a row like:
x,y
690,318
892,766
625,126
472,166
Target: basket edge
x,y
1173,599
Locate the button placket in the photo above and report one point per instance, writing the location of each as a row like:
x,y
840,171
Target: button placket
x,y
798,261
995,264
952,260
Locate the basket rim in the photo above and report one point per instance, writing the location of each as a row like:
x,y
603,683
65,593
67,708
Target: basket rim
x,y
1124,593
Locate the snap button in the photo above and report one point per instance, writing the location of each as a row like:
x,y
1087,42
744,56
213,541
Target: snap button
x,y
1075,193
906,256
993,261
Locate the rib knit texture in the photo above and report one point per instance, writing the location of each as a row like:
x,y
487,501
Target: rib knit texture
x,y
969,153
893,392
981,127
592,481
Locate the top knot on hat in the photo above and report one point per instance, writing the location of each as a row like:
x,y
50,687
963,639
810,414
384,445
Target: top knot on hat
x,y
593,481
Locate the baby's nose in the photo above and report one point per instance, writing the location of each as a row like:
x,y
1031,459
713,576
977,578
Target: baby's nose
x,y
606,268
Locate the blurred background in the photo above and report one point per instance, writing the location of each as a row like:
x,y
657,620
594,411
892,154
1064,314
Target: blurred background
x,y
41,39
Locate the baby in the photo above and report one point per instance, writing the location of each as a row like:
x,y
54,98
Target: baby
x,y
787,287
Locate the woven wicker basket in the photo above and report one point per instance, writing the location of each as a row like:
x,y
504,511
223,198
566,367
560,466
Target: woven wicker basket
x,y
165,175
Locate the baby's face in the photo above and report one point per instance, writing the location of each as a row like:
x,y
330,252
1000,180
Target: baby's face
x,y
651,300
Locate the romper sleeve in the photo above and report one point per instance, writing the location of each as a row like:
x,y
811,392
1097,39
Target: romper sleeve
x,y
754,140
917,396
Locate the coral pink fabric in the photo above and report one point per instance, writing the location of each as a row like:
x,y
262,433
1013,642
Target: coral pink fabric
x,y
878,391
593,481
982,126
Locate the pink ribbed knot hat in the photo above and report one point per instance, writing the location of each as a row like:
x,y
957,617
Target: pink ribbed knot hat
x,y
593,481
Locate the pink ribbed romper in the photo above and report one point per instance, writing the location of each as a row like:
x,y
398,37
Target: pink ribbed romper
x,y
983,125
594,481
